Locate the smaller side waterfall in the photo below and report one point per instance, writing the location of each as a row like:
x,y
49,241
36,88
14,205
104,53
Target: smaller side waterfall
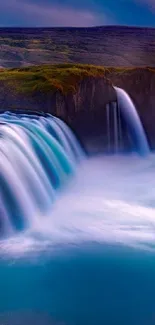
x,y
124,110
108,126
132,120
114,128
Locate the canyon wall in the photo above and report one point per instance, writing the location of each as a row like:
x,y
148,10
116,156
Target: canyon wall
x,y
84,109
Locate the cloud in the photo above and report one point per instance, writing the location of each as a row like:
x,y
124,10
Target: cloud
x,y
51,15
76,13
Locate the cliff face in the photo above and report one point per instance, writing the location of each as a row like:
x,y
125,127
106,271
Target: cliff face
x,y
83,107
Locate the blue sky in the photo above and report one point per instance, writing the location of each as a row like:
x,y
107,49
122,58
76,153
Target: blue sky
x,y
77,12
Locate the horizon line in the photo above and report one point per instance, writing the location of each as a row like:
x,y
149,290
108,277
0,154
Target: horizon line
x,y
76,27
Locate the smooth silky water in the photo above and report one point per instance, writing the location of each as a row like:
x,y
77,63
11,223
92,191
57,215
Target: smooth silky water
x,y
85,254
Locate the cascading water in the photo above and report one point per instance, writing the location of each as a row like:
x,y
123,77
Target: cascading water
x,y
108,126
132,120
114,128
124,110
92,258
37,153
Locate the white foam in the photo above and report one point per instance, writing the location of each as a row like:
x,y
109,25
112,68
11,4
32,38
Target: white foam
x,y
111,200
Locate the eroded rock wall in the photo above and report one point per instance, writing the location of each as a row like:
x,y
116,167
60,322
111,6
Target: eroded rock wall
x,y
84,110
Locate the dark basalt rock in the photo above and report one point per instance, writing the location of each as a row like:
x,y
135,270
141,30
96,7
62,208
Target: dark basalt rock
x,y
84,109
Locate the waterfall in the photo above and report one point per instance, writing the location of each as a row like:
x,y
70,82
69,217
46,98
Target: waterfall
x,y
119,127
37,155
108,127
125,110
114,127
132,120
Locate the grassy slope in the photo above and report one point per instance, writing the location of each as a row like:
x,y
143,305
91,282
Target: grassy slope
x,y
48,78
107,46
63,77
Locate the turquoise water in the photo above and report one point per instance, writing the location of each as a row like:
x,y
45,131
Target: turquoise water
x,y
38,155
96,285
92,260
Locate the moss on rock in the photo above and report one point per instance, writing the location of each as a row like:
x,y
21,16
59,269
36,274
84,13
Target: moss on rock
x,y
49,78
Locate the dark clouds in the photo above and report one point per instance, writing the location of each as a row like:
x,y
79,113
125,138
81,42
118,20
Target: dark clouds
x,y
77,12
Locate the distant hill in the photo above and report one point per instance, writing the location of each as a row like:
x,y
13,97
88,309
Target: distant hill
x,y
107,46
